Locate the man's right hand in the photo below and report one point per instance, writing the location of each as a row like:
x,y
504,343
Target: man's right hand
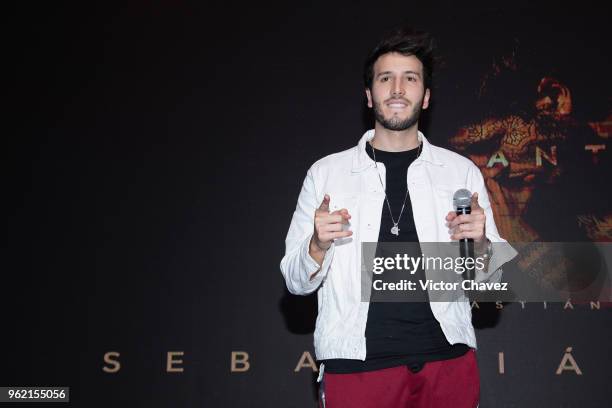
x,y
327,227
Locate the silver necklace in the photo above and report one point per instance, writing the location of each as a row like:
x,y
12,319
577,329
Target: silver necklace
x,y
394,229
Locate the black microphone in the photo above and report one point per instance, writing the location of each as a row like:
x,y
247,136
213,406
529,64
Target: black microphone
x,y
462,200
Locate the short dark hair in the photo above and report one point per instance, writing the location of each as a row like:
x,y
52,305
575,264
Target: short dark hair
x,y
405,41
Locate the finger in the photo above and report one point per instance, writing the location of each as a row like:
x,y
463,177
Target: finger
x,y
334,219
341,234
327,219
342,212
325,203
470,230
475,235
451,216
478,218
330,236
467,227
332,228
459,229
459,219
457,237
462,235
474,204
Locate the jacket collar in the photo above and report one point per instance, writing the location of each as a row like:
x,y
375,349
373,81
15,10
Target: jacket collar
x,y
362,161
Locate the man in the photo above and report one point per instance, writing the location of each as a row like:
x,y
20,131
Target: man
x,y
394,186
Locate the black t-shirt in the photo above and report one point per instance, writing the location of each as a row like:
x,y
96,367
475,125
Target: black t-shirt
x,y
399,333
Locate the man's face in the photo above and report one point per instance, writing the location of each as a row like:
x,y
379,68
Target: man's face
x,y
398,92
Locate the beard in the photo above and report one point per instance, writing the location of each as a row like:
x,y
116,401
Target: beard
x,y
395,123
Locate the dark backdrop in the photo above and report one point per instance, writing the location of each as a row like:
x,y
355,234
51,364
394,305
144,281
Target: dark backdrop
x,y
154,154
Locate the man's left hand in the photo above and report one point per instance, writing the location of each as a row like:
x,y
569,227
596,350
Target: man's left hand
x,y
468,225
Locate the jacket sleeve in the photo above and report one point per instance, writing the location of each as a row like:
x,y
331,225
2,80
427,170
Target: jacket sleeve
x,y
502,251
297,266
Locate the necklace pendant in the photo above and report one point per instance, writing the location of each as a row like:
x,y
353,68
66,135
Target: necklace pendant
x,y
395,230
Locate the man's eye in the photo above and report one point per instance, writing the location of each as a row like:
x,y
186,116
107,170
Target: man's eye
x,y
412,78
384,79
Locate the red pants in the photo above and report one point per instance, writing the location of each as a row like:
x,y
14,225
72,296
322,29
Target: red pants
x,y
440,384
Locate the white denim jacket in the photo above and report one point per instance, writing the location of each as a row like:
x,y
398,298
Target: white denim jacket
x,y
350,179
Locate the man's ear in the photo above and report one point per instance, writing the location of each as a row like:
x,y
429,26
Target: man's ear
x,y
426,98
369,96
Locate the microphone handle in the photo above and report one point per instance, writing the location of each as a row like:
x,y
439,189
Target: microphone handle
x,y
466,247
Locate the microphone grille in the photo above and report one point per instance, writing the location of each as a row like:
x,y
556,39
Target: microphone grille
x,y
462,198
